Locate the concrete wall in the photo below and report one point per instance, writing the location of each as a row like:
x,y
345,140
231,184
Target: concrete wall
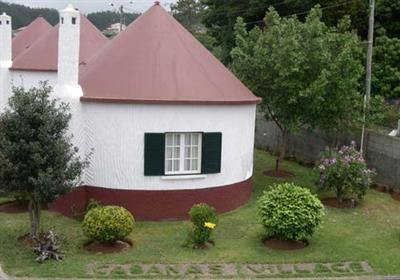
x,y
383,152
116,134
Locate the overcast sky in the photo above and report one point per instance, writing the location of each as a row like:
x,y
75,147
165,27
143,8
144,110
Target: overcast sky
x,y
87,6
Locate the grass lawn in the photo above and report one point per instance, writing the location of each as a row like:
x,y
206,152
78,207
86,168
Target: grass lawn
x,y
369,233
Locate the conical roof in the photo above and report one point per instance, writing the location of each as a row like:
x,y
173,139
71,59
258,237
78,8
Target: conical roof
x,y
43,54
156,60
24,39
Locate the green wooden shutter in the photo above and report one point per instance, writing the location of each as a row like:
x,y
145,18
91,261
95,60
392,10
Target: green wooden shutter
x,y
211,153
154,154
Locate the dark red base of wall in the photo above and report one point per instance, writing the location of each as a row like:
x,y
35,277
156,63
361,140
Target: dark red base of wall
x,y
155,205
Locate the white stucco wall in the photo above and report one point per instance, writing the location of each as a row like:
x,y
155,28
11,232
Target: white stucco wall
x,y
28,79
116,134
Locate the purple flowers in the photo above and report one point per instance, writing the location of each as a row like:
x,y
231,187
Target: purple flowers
x,y
345,172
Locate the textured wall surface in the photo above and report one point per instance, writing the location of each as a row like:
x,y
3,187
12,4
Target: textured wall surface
x,y
115,132
382,154
28,79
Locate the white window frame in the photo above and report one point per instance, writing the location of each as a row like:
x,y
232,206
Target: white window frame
x,y
182,147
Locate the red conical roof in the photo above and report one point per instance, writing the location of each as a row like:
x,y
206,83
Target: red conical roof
x,y
29,35
43,54
156,60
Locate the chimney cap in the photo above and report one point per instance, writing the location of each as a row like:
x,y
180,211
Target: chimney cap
x,y
70,9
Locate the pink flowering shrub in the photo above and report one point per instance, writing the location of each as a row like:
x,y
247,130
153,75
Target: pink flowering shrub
x,y
346,173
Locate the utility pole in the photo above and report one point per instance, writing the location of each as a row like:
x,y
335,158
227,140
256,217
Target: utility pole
x,y
368,73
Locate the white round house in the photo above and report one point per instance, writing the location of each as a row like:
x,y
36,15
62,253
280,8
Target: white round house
x,y
167,125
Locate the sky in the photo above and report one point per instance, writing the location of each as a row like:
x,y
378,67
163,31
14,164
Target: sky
x,y
87,6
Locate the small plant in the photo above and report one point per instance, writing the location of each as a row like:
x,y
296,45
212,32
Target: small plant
x,y
346,173
204,221
108,224
290,212
48,247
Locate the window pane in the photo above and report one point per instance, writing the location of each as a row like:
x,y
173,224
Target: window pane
x,y
194,164
176,165
169,153
169,140
187,164
177,139
195,139
169,166
195,152
176,152
187,139
187,152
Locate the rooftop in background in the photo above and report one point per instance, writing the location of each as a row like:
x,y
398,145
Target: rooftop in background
x,y
156,60
43,54
25,38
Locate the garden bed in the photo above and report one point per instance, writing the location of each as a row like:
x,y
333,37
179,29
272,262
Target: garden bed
x,y
369,232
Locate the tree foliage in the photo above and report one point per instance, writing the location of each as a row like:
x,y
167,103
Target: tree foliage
x,y
37,160
220,16
23,15
188,13
102,20
386,67
307,73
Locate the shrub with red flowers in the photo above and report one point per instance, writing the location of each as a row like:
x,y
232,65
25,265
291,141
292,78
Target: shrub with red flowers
x,y
346,173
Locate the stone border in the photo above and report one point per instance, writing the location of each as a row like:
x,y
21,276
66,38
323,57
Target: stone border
x,y
228,270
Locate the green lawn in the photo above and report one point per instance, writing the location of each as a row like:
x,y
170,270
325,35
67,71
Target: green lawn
x,y
369,233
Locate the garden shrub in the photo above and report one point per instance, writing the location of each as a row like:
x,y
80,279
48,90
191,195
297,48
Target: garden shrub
x,y
204,220
290,212
345,172
108,224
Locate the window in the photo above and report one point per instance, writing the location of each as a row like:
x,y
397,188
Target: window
x,y
182,153
74,20
62,20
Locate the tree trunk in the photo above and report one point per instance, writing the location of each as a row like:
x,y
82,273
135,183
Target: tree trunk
x,y
34,217
282,148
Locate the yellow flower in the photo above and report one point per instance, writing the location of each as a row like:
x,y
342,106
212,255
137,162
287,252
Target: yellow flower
x,y
210,225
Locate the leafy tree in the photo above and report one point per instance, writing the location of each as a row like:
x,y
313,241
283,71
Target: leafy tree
x,y
188,13
37,160
307,73
23,15
102,20
386,67
220,16
388,17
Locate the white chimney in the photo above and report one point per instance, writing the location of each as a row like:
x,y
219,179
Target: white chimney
x,y
5,38
5,58
68,47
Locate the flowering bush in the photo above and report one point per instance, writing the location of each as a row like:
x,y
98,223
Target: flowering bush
x,y
204,219
346,173
107,224
290,212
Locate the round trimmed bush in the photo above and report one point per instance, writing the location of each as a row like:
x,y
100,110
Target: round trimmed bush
x,y
108,224
290,212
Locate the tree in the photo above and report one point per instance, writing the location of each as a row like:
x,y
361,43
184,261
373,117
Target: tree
x,y
386,67
37,160
188,12
220,16
102,20
306,73
23,15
